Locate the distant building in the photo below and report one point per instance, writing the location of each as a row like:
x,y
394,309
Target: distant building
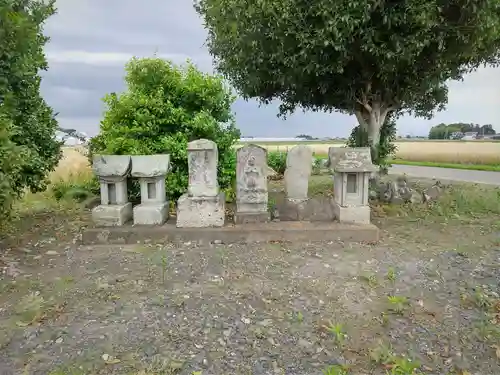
x,y
469,136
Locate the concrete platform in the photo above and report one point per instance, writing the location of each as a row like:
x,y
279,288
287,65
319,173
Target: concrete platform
x,y
247,233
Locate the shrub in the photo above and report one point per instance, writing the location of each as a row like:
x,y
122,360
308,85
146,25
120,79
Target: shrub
x,y
28,148
277,161
165,107
386,147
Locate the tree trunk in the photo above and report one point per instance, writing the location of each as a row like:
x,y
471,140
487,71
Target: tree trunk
x,y
371,118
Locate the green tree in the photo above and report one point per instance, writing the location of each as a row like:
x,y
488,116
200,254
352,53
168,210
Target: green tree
x,y
165,107
367,58
29,150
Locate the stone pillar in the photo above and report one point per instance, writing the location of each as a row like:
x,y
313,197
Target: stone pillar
x,y
203,205
251,185
352,168
297,173
151,170
112,171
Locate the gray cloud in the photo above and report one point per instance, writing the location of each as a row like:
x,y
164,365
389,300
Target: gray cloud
x,y
92,40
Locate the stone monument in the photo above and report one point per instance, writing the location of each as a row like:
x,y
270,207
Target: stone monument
x,y
251,185
352,168
297,173
151,170
203,205
112,171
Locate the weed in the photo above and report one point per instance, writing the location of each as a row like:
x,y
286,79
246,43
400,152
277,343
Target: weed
x,y
370,279
391,275
337,330
336,370
481,300
164,264
382,354
398,304
299,316
403,366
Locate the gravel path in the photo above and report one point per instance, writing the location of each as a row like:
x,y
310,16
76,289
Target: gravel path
x,y
257,309
480,177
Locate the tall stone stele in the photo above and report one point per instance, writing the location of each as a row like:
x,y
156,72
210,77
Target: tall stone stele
x,y
352,169
151,170
112,171
251,185
203,205
297,173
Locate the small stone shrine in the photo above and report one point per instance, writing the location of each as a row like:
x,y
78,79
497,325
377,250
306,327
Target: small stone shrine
x,y
112,171
297,173
352,169
151,170
251,185
203,205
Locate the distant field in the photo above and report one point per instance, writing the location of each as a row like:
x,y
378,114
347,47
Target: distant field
x,y
445,152
438,151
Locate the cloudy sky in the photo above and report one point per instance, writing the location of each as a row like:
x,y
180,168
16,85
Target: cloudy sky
x,y
91,40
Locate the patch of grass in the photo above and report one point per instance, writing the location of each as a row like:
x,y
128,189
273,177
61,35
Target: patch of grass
x,y
321,186
336,370
34,308
476,167
457,202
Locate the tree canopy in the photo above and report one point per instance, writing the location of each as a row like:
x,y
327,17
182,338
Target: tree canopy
x,y
362,57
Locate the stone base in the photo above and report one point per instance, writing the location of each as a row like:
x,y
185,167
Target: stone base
x,y
201,212
313,209
112,215
298,232
352,215
151,213
251,217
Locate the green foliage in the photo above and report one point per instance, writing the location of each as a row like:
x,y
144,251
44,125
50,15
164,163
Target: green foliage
x,y
29,150
368,58
76,187
165,107
385,149
11,166
277,161
450,131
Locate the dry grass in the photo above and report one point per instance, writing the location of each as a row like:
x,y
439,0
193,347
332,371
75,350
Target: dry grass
x,y
73,162
473,152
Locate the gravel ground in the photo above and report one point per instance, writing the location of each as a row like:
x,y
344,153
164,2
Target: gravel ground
x,y
428,292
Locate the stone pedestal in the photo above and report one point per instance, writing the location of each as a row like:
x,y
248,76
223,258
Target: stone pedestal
x,y
354,214
251,185
151,214
112,215
201,212
151,171
203,206
112,171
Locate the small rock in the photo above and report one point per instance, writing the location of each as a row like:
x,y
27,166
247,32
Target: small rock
x,y
105,357
51,252
304,343
217,242
246,320
59,340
